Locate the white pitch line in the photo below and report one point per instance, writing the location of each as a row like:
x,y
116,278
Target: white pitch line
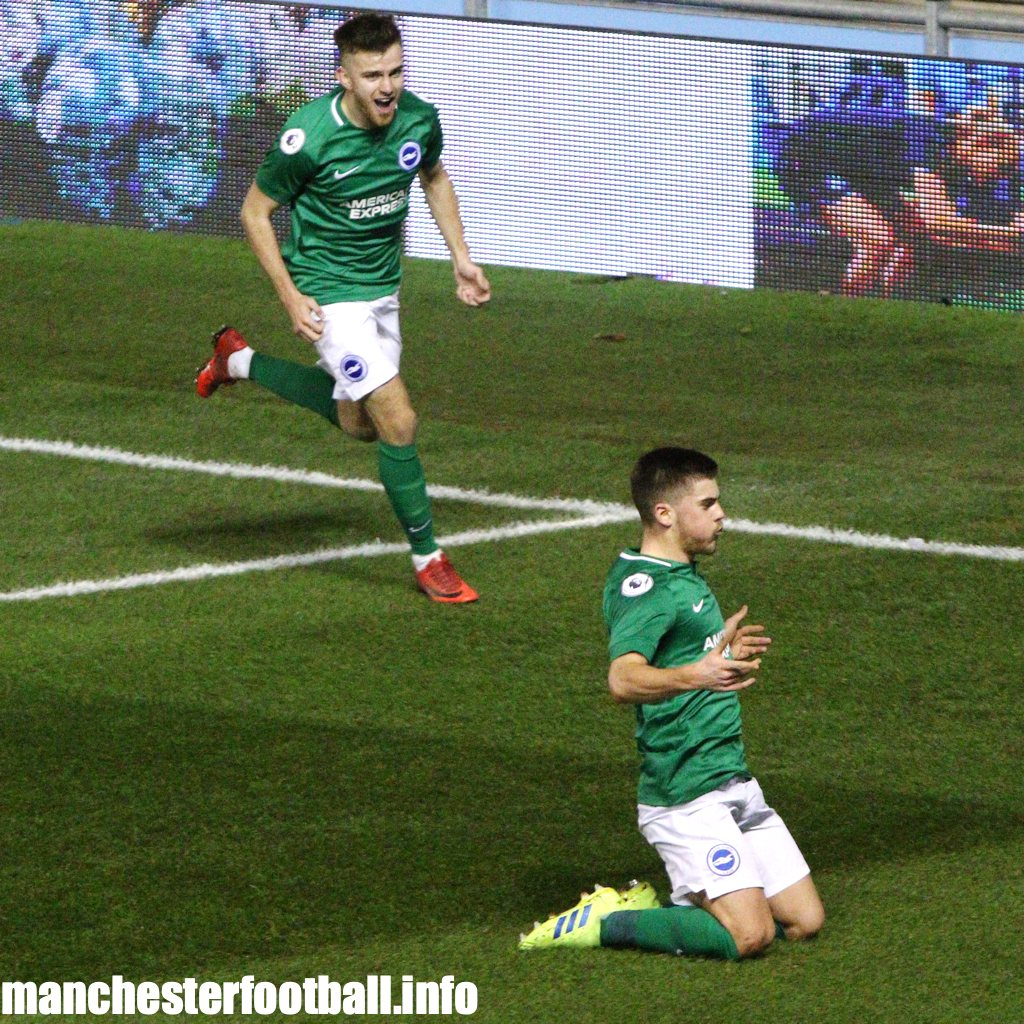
x,y
594,513
877,541
192,573
280,474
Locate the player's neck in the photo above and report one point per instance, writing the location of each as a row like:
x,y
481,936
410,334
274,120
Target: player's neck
x,y
665,546
346,109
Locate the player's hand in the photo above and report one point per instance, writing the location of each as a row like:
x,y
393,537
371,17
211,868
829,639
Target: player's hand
x,y
307,317
746,644
471,284
725,675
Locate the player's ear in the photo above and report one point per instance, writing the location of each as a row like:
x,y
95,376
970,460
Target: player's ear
x,y
341,76
664,514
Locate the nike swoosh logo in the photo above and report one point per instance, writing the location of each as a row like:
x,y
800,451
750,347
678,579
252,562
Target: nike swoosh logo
x,y
697,607
344,174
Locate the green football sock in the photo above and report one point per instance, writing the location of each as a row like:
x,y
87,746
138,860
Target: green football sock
x,y
680,930
308,386
401,473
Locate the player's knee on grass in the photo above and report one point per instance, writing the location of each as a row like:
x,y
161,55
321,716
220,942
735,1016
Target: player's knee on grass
x,y
747,917
806,925
798,910
752,938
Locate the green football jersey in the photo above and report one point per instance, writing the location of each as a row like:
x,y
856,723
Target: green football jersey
x,y
691,743
348,188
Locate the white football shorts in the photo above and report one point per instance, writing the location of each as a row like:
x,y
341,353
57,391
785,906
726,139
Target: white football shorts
x,y
361,346
723,841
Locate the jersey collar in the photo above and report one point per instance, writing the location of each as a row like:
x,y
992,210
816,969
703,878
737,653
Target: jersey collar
x,y
336,109
634,555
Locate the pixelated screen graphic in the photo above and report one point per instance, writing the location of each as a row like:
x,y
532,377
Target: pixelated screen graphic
x,y
157,114
151,113
613,153
889,177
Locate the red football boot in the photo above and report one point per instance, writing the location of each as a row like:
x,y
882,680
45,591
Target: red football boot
x,y
440,582
215,372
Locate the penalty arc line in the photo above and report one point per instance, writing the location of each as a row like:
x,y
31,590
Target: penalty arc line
x,y
585,507
193,573
593,513
877,541
281,474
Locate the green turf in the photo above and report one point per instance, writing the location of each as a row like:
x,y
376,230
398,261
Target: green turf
x,y
317,771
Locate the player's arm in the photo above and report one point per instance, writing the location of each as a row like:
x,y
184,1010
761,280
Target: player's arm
x,y
633,680
945,224
304,311
471,284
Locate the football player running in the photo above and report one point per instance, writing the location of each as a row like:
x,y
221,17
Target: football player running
x,y
345,164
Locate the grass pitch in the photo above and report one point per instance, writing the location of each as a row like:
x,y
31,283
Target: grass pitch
x,y
316,771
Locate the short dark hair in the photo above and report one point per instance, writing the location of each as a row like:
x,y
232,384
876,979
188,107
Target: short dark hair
x,y
367,33
661,471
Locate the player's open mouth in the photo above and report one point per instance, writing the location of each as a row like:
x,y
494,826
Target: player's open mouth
x,y
385,106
